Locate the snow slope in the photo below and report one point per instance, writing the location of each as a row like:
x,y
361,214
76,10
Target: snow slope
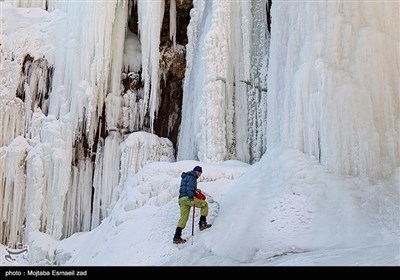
x,y
285,210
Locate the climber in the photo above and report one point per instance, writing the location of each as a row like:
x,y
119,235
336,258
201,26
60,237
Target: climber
x,y
187,199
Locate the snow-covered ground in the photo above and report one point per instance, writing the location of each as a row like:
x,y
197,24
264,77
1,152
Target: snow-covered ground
x,y
285,210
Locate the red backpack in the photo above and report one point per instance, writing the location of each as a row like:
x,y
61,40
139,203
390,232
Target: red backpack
x,y
200,195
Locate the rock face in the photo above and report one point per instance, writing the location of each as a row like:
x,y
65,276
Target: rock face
x,y
172,67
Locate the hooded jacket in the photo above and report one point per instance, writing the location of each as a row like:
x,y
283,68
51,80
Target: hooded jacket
x,y
188,185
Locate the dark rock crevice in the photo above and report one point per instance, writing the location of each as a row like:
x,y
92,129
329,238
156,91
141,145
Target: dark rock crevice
x,y
37,75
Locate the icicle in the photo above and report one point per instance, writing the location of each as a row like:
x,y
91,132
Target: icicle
x,y
223,98
28,3
57,167
117,47
77,204
35,186
255,78
188,135
172,21
149,30
12,190
106,177
12,119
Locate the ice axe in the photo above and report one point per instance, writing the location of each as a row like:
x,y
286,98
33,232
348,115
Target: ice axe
x,y
193,224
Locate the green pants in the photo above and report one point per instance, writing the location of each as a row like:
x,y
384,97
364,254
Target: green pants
x,y
185,204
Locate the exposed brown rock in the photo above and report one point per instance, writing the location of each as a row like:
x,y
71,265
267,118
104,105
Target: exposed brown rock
x,y
133,81
35,74
172,67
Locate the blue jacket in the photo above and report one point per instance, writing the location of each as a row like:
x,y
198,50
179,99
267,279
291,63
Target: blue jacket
x,y
188,184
